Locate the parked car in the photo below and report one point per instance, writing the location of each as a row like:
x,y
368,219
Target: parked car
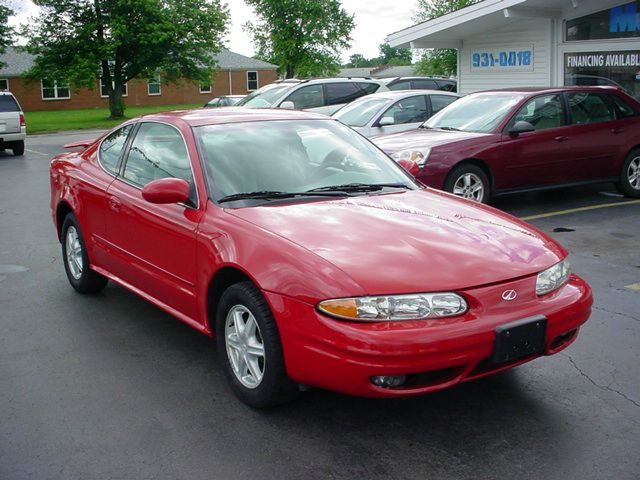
x,y
320,95
13,129
312,257
392,112
502,141
224,101
421,83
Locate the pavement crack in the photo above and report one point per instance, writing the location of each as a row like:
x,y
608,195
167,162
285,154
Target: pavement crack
x,y
601,387
626,315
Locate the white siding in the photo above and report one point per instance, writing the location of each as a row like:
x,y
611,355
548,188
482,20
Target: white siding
x,y
536,32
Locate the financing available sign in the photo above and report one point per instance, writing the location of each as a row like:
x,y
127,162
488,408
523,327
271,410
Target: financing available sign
x,y
603,59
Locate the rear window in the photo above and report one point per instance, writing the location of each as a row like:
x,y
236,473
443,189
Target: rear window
x,y
342,93
588,107
368,87
401,85
8,104
425,84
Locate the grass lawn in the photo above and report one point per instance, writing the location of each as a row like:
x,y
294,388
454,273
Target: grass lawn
x,y
58,120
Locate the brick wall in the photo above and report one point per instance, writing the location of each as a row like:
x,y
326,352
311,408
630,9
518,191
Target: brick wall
x,y
30,96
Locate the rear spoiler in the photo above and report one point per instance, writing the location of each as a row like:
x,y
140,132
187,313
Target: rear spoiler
x,y
81,143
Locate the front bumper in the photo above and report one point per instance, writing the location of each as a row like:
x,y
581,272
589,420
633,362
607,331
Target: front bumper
x,y
343,356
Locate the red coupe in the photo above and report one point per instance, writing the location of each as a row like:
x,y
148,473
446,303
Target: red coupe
x,y
313,258
503,141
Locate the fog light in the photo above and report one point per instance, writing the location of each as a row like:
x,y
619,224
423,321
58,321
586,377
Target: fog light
x,y
388,381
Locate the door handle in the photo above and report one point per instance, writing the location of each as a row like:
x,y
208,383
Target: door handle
x,y
617,130
561,138
115,204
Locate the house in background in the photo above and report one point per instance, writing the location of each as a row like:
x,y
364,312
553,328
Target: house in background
x,y
381,71
235,75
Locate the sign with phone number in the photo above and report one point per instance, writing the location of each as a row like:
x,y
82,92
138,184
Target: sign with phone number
x,y
519,59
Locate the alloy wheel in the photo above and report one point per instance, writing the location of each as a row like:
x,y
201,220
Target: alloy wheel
x,y
469,185
245,347
633,173
74,252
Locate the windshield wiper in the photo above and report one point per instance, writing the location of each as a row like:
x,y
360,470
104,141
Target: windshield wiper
x,y
357,187
450,128
275,194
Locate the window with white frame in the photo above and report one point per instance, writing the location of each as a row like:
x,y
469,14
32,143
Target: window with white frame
x,y
252,81
4,84
205,88
153,86
55,90
103,89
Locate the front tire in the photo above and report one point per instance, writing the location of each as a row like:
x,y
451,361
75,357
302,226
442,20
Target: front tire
x,y
249,348
469,181
629,182
76,259
18,148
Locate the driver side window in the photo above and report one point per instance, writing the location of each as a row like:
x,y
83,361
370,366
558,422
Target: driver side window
x,y
408,110
157,151
541,112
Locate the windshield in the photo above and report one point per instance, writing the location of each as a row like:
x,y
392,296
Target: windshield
x,y
358,114
292,156
475,113
266,96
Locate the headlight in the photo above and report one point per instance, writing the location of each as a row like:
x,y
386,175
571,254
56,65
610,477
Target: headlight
x,y
418,155
396,307
553,277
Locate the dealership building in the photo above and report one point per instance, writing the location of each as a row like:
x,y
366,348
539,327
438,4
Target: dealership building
x,y
513,43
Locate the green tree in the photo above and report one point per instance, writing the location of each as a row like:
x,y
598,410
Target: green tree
x,y
119,40
303,37
6,31
394,56
439,61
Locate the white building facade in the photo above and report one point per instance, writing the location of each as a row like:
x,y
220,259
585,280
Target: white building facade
x,y
537,43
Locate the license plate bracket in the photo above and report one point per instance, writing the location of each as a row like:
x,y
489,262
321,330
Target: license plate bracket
x,y
519,339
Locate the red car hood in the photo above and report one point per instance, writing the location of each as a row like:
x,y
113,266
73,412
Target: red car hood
x,y
422,137
414,241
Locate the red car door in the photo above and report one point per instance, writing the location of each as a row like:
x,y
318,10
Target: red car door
x,y
593,127
542,156
154,245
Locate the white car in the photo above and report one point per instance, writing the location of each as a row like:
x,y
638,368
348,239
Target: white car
x,y
12,126
393,111
320,95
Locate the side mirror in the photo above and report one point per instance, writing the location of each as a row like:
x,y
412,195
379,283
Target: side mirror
x,y
166,190
410,166
521,127
384,121
288,105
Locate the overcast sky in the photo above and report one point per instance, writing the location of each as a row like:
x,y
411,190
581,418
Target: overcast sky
x,y
375,19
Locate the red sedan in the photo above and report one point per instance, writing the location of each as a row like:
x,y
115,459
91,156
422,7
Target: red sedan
x,y
503,141
312,257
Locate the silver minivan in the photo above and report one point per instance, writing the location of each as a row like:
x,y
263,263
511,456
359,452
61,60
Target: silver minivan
x,y
320,95
12,126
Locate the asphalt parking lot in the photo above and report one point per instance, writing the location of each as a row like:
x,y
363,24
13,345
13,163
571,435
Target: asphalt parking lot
x,y
110,387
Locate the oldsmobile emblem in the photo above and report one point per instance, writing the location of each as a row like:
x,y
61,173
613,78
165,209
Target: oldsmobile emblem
x,y
509,295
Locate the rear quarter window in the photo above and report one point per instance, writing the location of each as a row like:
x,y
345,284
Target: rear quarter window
x,y
8,104
624,109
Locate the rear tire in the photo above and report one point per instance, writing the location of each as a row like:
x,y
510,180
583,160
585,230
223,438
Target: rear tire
x,y
629,182
249,348
76,260
469,181
18,148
